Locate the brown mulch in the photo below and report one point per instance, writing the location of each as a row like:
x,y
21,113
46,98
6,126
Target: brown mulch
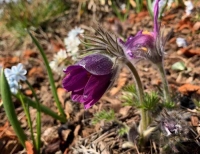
x,y
79,135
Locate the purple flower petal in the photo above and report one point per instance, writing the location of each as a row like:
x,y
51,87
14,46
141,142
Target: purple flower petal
x,y
89,79
88,104
76,78
77,95
95,88
140,41
97,64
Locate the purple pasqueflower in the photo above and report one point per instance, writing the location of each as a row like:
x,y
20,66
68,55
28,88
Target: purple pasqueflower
x,y
89,79
169,126
148,45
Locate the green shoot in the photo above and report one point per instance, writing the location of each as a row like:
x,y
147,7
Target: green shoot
x,y
129,96
169,105
150,101
103,115
123,130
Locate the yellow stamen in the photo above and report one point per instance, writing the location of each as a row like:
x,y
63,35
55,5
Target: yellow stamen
x,y
146,32
144,49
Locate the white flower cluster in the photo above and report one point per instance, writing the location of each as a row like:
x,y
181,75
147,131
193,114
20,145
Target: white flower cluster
x,y
56,64
181,42
188,7
14,75
72,42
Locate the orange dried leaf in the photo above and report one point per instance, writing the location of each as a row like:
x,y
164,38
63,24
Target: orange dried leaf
x,y
194,121
187,88
29,53
6,131
196,26
29,147
37,72
56,46
61,92
168,17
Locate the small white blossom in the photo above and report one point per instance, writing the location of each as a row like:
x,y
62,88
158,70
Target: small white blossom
x,y
57,61
75,32
60,56
72,42
16,73
189,7
181,42
72,46
123,6
14,85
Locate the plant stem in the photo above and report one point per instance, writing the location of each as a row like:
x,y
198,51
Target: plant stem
x,y
164,81
50,76
163,9
116,10
43,108
38,118
144,120
149,7
26,110
139,5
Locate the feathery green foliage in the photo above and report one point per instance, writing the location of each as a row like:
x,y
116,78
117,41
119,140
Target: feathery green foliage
x,y
129,96
197,103
169,105
150,101
123,130
104,115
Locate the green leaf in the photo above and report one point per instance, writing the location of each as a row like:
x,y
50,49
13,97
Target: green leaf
x,y
179,66
50,75
43,108
10,109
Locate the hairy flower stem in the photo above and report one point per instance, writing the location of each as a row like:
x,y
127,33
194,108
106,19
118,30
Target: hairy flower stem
x,y
164,81
144,114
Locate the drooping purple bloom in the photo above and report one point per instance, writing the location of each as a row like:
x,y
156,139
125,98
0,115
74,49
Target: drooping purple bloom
x,y
89,79
148,45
